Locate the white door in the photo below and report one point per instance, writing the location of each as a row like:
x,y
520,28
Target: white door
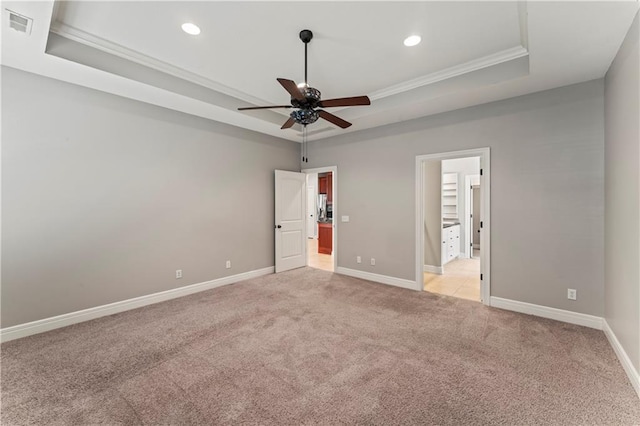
x,y
290,199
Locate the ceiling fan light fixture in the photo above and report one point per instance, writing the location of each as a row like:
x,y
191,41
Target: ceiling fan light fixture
x,y
412,40
304,116
190,28
302,85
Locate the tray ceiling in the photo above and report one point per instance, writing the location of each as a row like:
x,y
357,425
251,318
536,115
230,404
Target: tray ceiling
x,y
471,52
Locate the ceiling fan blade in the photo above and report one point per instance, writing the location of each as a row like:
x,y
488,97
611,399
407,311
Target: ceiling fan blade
x,y
290,122
291,87
334,119
338,102
265,107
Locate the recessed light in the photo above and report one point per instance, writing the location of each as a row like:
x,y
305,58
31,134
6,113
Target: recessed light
x,y
190,28
412,40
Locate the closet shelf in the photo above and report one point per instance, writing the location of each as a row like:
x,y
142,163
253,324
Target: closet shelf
x,y
450,195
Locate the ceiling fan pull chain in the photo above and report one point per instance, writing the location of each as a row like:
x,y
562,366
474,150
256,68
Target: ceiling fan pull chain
x,y
302,144
304,131
305,158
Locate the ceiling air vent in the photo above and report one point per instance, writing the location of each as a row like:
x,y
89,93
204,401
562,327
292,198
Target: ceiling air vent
x,y
19,22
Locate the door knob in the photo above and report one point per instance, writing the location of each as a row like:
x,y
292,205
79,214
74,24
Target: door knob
x,y
279,226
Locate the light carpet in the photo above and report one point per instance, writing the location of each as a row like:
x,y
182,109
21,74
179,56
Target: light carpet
x,y
312,347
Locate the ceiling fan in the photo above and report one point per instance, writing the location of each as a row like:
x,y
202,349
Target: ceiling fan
x,y
306,100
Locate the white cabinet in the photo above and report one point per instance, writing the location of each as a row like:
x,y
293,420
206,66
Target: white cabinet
x,y
450,196
450,243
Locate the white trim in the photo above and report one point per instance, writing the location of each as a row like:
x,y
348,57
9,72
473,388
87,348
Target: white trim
x,y
493,59
485,217
524,24
468,211
383,279
485,209
419,230
111,48
334,198
46,324
104,45
627,365
570,317
585,320
434,269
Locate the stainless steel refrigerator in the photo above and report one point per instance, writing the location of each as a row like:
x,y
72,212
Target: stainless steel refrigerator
x,y
322,207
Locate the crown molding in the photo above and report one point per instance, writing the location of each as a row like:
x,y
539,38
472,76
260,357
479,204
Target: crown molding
x,y
106,46
447,73
99,43
72,33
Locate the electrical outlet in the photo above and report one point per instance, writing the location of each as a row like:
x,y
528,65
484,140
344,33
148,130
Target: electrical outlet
x,y
228,265
358,259
572,294
373,262
178,273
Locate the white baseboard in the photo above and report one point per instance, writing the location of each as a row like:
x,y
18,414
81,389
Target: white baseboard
x,y
383,279
547,312
632,373
434,269
40,326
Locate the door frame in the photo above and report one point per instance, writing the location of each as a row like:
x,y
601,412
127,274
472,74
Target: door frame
x,y
485,209
334,189
468,210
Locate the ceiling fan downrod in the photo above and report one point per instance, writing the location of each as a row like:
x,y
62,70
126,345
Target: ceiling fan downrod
x,y
306,113
305,36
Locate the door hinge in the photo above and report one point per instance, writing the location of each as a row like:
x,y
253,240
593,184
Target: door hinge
x,y
481,277
480,172
481,224
470,244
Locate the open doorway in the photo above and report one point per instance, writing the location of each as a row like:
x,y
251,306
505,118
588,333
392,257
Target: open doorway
x,y
321,206
453,201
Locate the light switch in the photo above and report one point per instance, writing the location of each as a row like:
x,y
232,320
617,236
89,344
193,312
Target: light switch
x,y
345,218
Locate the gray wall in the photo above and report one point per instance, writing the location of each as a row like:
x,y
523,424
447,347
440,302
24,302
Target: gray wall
x,y
547,193
622,201
104,198
433,213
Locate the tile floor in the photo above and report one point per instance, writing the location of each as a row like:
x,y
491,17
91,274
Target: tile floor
x,y
461,279
318,260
